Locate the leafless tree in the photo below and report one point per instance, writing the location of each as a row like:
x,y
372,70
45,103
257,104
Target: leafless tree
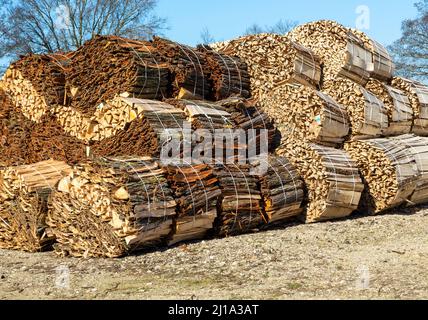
x,y
411,50
281,27
62,25
206,36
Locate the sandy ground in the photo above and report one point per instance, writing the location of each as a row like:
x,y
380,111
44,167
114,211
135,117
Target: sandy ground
x,y
384,257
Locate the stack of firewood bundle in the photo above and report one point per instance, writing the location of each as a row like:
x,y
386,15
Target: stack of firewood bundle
x,y
127,67
331,177
282,190
112,207
418,96
24,193
36,83
303,113
389,171
240,205
400,112
273,60
188,67
196,191
368,115
229,75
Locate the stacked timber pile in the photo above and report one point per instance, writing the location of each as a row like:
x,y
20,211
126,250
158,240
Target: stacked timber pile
x,y
229,75
331,177
240,207
389,171
400,112
282,191
418,96
196,191
273,60
36,83
24,193
368,115
303,113
188,68
112,207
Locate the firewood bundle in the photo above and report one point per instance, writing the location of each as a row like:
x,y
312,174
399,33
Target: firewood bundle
x,y
36,83
240,207
389,171
107,66
228,74
282,191
188,67
24,193
112,207
196,191
400,112
303,113
418,96
331,177
273,60
368,114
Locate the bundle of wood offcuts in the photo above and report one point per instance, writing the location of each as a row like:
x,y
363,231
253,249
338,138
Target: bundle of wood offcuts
x,y
112,207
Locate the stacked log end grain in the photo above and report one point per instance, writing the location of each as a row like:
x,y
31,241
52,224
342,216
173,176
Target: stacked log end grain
x,y
196,191
111,208
240,204
331,177
228,74
128,67
303,113
368,115
24,193
36,83
282,191
389,171
188,68
273,60
400,112
418,96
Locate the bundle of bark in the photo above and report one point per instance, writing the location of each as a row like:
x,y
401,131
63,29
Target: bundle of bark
x,y
35,83
389,172
107,66
24,193
282,191
273,60
368,115
400,112
112,207
196,191
188,66
240,205
228,74
304,113
331,177
418,96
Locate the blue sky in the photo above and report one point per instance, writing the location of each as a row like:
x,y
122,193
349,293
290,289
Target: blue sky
x,y
226,19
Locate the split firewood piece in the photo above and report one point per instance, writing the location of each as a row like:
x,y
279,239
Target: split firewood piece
x,y
188,67
126,66
24,193
389,172
196,191
112,207
341,51
307,114
400,112
229,75
240,203
282,191
368,114
273,60
331,177
418,96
